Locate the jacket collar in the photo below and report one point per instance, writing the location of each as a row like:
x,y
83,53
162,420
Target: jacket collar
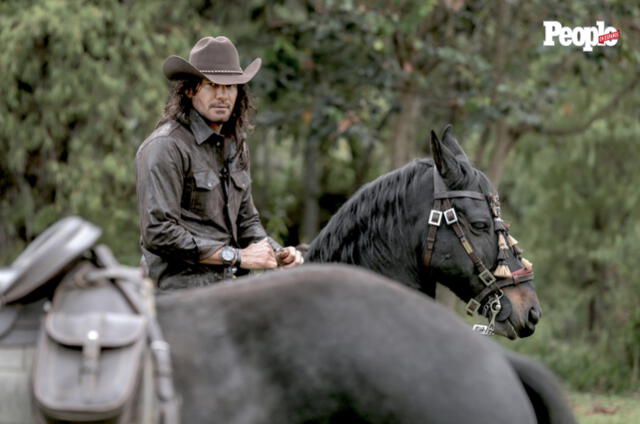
x,y
201,131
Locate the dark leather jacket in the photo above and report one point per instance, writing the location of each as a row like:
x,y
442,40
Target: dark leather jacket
x,y
181,201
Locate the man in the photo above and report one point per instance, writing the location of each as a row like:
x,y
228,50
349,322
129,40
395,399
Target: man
x,y
198,222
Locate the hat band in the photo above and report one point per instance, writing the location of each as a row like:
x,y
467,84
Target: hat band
x,y
219,71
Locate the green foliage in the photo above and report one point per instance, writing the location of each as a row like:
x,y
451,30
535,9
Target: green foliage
x,y
77,94
82,89
580,219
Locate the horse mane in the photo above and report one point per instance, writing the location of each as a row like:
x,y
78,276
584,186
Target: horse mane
x,y
359,233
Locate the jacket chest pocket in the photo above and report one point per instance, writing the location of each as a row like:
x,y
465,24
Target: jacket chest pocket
x,y
206,195
241,180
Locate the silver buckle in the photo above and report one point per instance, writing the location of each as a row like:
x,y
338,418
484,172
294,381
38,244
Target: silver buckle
x,y
159,345
450,216
435,217
487,277
472,307
485,330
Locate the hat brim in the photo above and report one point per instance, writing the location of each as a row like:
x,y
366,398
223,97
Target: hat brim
x,y
176,68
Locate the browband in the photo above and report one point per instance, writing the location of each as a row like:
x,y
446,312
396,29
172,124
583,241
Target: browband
x,y
459,193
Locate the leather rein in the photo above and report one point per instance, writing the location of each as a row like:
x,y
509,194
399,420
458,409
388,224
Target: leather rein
x,y
444,210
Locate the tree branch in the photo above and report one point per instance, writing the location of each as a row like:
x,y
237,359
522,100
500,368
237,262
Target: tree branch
x,y
598,114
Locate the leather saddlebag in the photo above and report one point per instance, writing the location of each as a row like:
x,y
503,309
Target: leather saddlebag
x,y
89,359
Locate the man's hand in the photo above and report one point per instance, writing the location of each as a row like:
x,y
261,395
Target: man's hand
x,y
258,256
289,257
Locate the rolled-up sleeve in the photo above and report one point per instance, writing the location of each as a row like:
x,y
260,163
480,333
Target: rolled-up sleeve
x,y
159,184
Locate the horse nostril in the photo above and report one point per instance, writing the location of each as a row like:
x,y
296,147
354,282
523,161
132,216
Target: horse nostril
x,y
534,316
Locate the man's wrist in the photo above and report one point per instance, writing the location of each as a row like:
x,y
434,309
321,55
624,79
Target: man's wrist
x,y
238,261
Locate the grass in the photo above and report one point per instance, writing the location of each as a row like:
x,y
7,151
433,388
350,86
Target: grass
x,y
606,409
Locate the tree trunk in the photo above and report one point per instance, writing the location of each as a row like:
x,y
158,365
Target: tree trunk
x,y
501,149
403,136
479,159
263,168
501,146
311,185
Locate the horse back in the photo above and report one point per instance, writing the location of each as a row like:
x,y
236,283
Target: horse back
x,y
323,342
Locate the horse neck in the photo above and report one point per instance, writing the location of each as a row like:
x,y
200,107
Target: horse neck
x,y
385,234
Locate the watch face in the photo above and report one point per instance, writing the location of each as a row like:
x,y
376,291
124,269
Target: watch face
x,y
227,254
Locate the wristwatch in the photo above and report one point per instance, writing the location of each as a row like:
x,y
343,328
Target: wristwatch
x,y
229,256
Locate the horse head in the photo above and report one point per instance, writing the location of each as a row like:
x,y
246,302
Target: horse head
x,y
469,248
437,221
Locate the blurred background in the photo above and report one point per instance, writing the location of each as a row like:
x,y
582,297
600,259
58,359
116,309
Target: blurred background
x,y
349,90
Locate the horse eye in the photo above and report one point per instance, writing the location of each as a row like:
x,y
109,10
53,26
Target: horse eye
x,y
479,225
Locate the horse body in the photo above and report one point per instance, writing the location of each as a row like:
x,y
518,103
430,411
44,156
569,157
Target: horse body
x,y
331,344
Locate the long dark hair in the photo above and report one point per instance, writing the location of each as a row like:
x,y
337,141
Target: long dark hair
x,y
179,105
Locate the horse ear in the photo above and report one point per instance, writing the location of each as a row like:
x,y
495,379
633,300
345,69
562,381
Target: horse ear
x,y
446,162
450,141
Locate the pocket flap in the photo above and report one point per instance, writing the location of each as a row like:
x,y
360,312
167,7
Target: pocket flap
x,y
111,329
241,179
206,180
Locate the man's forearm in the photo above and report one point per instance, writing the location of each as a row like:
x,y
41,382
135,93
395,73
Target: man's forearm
x,y
259,255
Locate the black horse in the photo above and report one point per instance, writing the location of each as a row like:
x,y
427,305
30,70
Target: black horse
x,y
385,227
339,344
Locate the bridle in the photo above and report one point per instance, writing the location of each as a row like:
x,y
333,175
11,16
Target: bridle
x,y
487,301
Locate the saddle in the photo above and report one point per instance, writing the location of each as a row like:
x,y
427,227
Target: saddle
x,y
99,356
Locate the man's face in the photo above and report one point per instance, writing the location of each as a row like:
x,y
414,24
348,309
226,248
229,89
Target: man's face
x,y
215,102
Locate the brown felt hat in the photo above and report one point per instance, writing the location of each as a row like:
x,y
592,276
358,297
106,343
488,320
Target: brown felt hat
x,y
213,58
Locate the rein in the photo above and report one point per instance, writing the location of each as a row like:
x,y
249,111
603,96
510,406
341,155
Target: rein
x,y
443,208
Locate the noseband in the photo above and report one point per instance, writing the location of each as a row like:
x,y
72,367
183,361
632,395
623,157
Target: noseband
x,y
443,208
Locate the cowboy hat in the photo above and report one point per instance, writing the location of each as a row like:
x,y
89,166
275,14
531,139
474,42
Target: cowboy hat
x,y
215,59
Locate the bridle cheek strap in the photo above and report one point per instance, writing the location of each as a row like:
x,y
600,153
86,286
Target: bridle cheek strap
x,y
435,219
451,218
443,209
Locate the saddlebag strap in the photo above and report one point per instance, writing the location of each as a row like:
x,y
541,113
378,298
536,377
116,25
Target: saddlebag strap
x,y
165,391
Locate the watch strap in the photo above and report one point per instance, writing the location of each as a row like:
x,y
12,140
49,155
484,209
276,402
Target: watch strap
x,y
238,258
